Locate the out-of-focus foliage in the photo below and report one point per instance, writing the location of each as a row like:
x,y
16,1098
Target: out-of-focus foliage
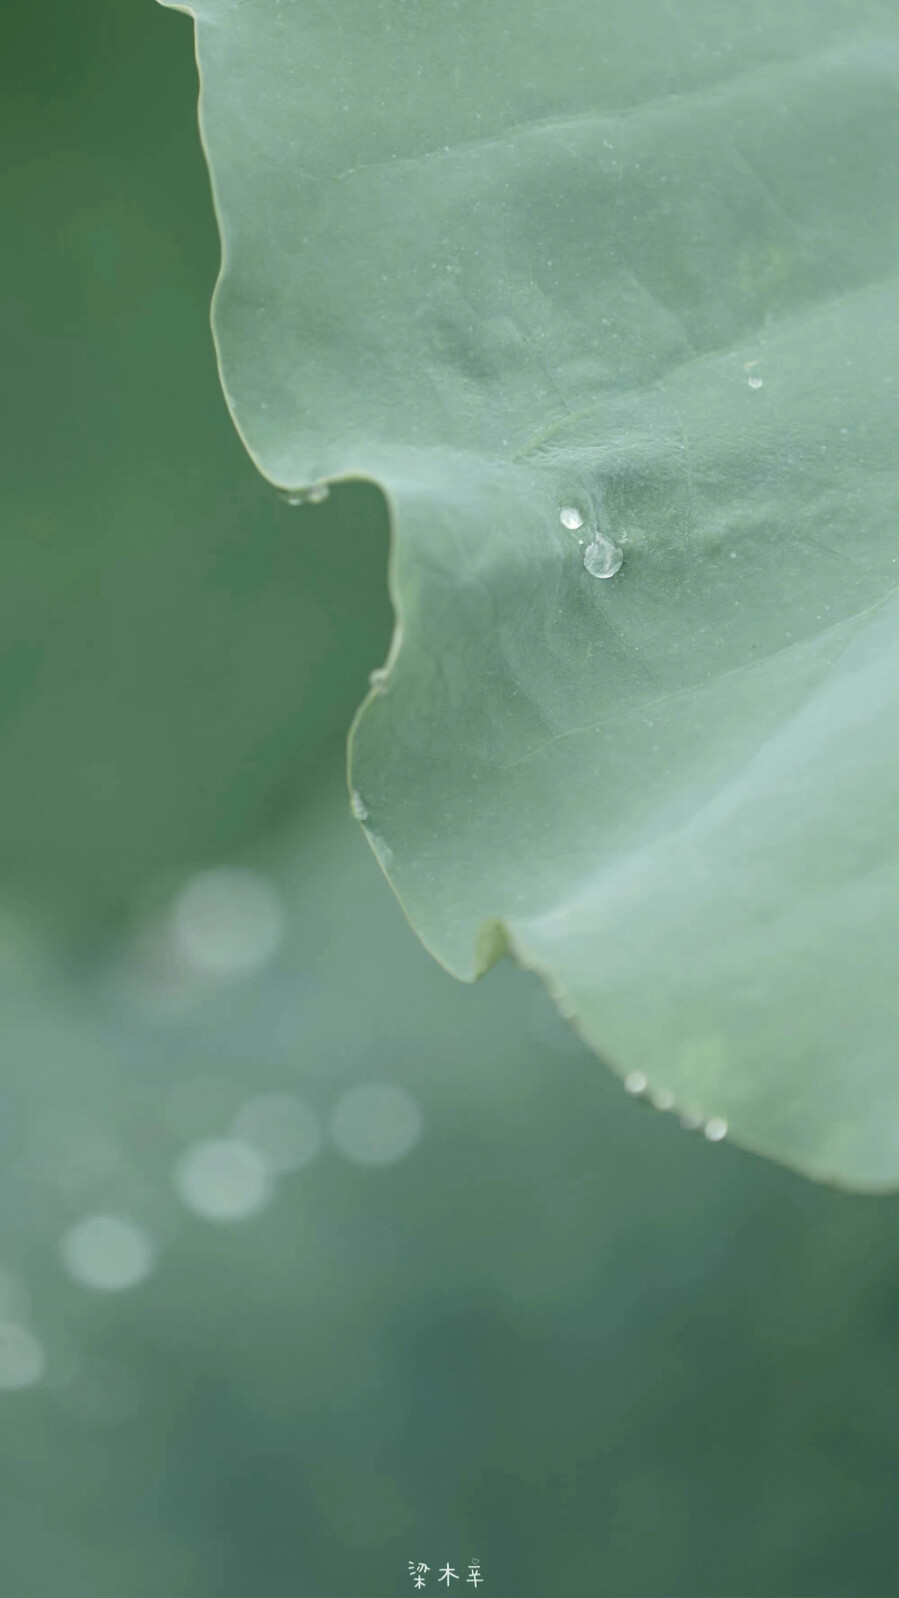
x,y
579,284
179,644
556,1332
557,1318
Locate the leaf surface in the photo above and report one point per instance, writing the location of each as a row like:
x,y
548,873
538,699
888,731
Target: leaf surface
x,y
627,267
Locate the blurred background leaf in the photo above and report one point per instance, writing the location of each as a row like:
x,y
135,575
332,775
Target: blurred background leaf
x,y
171,628
498,1311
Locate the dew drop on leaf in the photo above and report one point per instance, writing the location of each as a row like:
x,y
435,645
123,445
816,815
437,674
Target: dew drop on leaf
x,y
381,847
308,496
358,806
602,558
716,1129
661,1098
571,518
755,382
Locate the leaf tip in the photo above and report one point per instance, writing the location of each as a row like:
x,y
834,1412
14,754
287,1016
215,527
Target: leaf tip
x,y
491,944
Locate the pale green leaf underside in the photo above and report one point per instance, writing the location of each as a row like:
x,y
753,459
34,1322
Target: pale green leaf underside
x,y
504,257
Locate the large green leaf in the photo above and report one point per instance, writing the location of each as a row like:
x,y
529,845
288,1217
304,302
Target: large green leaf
x,y
629,261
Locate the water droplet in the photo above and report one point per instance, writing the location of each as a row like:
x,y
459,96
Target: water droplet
x,y
691,1123
755,382
602,558
382,848
635,1082
716,1129
358,806
661,1098
107,1252
571,518
376,677
308,496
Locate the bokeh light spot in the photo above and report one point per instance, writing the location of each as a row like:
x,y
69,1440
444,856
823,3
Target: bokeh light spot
x,y
22,1359
376,1124
108,1253
227,922
283,1130
223,1179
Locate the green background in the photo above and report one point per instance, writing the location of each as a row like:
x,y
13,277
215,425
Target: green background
x,y
562,1335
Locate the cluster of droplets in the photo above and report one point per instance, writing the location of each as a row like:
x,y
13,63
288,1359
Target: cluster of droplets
x,y
602,557
637,1084
315,495
380,845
